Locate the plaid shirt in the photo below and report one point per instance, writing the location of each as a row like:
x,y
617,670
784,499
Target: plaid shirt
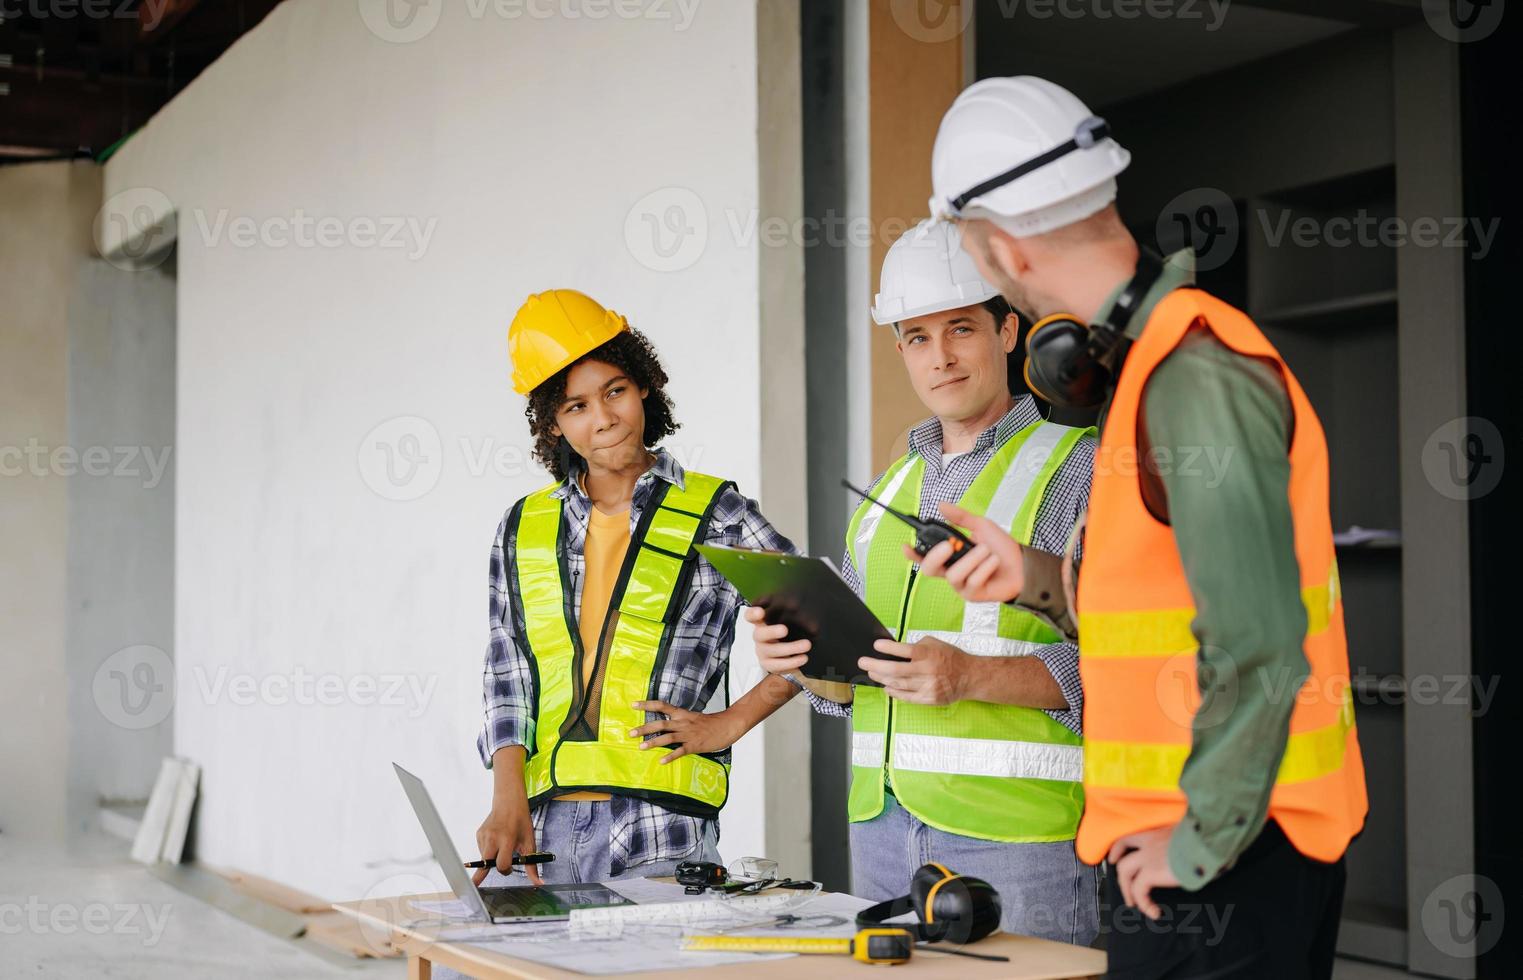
x,y
1063,502
695,667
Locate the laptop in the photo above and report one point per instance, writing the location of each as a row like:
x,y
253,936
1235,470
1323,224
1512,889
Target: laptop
x,y
512,903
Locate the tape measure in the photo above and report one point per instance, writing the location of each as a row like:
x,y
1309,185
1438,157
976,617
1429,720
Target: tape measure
x,y
881,946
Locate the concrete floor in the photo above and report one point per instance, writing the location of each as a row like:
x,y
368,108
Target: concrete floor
x,y
89,912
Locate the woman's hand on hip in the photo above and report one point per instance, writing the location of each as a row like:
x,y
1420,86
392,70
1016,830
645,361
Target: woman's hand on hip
x,y
688,731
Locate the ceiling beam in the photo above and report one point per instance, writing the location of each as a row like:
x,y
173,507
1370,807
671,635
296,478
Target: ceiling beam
x,y
68,110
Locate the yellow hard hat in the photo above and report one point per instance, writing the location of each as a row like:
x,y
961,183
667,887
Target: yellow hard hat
x,y
554,328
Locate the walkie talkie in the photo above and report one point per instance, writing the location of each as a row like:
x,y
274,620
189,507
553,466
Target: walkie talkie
x,y
928,534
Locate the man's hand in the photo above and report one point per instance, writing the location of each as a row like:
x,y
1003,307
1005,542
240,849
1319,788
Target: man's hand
x,y
1142,864
507,830
936,672
697,731
991,572
776,656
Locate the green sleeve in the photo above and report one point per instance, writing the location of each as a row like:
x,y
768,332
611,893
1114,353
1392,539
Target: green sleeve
x,y
1219,424
1042,591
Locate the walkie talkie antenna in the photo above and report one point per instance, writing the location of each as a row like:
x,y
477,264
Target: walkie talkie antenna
x,y
928,534
912,521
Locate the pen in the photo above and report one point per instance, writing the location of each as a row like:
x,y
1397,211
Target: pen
x,y
538,857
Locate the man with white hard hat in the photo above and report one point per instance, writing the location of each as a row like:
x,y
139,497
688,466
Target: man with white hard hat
x,y
969,754
1222,773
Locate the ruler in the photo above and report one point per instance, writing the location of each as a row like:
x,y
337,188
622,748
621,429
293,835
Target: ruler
x,y
765,944
881,946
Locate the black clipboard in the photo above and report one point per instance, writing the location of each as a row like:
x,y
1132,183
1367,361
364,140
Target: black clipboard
x,y
816,604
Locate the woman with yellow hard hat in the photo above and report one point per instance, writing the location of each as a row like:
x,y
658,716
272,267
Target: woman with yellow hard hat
x,y
609,633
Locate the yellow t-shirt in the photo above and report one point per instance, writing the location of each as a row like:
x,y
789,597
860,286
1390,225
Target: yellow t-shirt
x,y
607,543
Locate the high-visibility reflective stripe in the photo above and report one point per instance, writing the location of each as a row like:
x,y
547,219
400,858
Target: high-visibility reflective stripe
x,y
987,757
1308,755
1014,486
978,644
867,749
869,523
1166,632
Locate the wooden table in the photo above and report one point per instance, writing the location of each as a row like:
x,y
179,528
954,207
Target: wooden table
x,y
405,927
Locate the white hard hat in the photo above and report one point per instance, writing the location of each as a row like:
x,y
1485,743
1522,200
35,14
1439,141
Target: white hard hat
x,y
1025,151
927,271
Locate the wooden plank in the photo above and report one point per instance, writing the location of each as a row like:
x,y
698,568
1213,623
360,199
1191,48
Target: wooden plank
x,y
280,895
341,932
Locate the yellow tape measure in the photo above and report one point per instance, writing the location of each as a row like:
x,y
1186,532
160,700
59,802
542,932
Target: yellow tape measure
x,y
884,946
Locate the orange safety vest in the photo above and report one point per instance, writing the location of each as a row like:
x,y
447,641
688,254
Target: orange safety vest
x,y
1137,653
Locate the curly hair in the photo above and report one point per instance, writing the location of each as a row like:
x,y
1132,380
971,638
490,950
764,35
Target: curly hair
x,y
631,353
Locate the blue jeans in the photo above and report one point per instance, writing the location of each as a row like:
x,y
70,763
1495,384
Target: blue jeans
x,y
1045,890
576,832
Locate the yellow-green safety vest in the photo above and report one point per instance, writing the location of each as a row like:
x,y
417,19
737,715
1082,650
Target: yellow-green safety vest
x,y
565,753
992,771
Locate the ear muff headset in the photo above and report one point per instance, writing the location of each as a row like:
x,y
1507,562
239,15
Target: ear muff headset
x,y
951,907
1072,364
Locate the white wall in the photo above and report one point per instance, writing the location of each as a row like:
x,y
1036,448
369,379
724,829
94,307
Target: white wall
x,y
524,144
121,533
45,212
